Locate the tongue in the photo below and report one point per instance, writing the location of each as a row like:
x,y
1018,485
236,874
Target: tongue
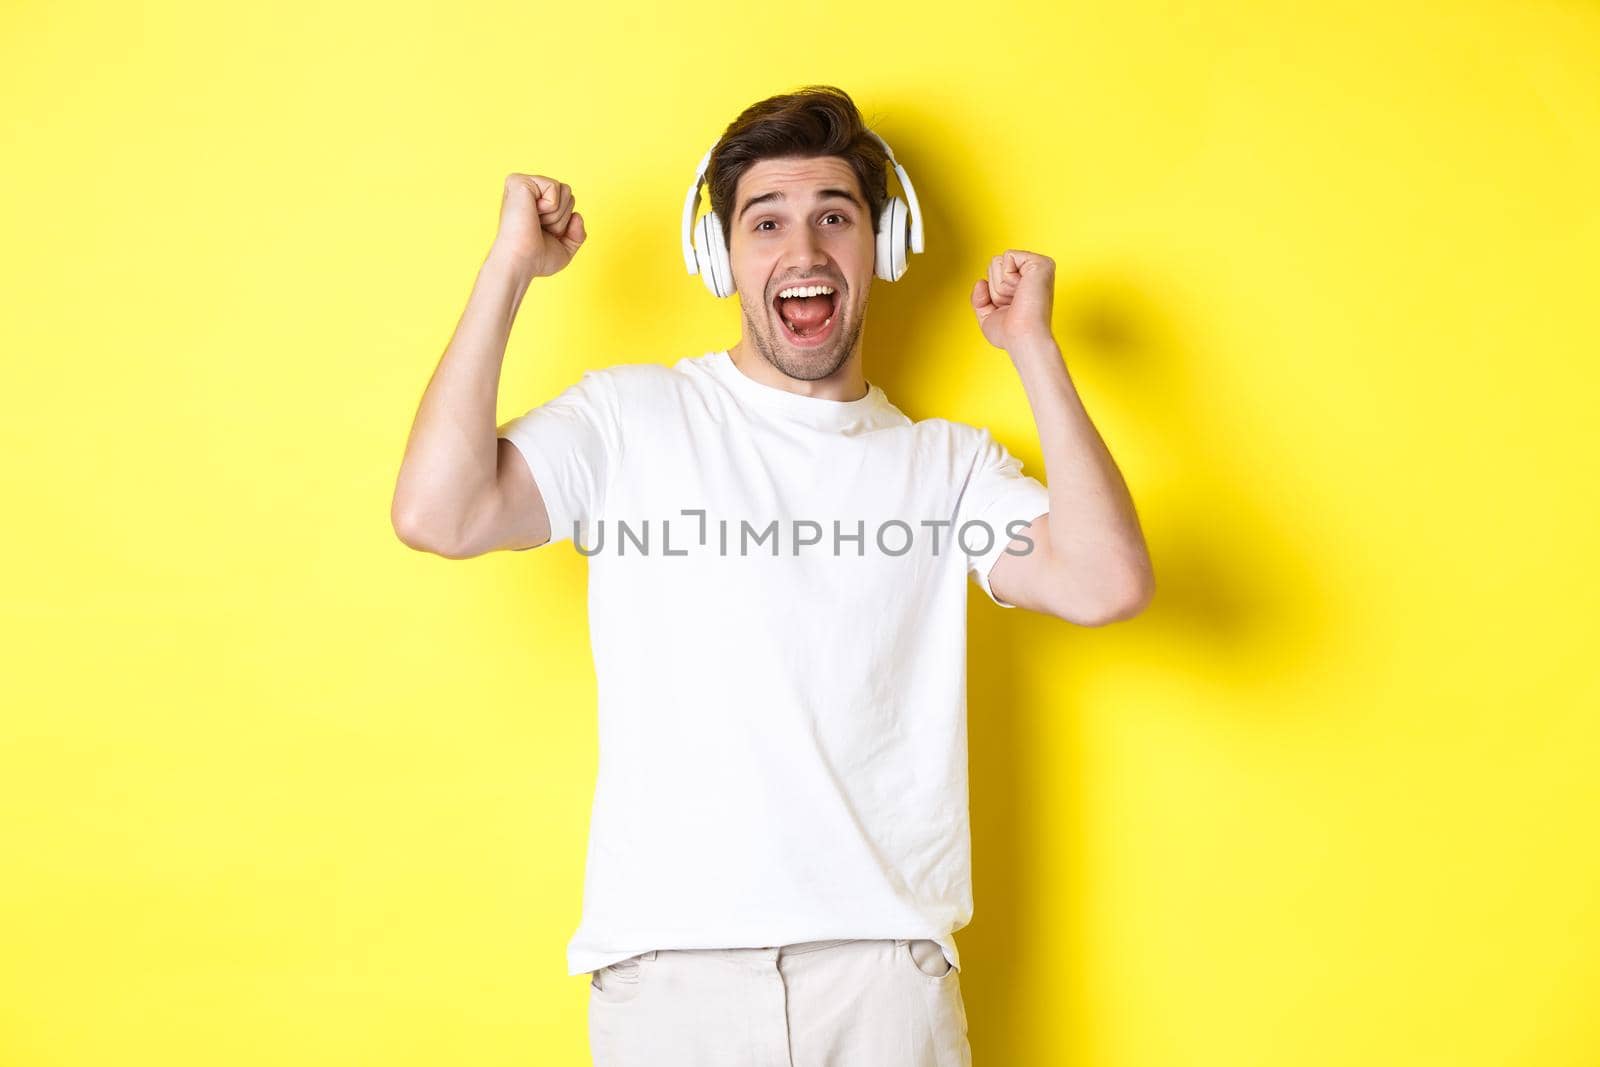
x,y
805,313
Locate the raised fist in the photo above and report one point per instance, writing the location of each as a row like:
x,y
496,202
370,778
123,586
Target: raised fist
x,y
539,230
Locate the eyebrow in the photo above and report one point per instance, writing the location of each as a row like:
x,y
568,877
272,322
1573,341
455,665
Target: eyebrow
x,y
777,194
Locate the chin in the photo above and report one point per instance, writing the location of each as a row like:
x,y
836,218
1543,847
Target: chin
x,y
804,362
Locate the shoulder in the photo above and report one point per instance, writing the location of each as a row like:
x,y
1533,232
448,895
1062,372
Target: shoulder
x,y
960,438
638,386
950,428
621,376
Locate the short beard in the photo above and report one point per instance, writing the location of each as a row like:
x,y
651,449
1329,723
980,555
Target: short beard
x,y
776,351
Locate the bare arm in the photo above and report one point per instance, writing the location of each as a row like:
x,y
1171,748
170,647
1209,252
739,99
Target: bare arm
x,y
1089,564
461,491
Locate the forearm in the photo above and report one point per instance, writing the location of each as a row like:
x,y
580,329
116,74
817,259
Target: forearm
x,y
1094,529
450,456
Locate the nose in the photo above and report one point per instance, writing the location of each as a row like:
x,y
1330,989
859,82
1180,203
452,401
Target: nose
x,y
803,252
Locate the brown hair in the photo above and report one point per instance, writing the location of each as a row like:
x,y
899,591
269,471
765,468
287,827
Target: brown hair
x,y
817,120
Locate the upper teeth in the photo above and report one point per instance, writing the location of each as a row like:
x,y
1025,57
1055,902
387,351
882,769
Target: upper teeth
x,y
806,290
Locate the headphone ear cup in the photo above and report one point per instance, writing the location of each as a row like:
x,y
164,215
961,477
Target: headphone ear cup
x,y
894,238
882,259
712,255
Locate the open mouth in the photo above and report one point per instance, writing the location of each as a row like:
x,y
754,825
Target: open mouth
x,y
807,321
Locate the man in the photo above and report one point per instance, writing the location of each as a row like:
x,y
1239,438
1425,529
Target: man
x,y
779,853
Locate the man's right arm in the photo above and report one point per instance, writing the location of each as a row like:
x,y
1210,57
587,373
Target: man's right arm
x,y
461,491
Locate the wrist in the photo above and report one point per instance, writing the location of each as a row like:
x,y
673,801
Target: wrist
x,y
1036,350
508,261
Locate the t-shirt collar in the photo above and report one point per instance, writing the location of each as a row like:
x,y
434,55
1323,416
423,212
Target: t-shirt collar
x,y
816,411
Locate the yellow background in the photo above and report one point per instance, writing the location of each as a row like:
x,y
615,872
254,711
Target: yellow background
x,y
275,789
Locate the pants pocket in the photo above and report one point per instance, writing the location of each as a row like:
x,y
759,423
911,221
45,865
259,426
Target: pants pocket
x,y
621,980
940,988
927,957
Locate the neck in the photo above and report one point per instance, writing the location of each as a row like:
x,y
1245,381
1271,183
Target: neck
x,y
847,383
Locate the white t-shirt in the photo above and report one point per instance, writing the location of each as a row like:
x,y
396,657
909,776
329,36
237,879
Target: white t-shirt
x,y
782,726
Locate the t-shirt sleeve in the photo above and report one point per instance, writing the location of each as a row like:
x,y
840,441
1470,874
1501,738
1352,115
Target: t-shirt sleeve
x,y
997,493
572,445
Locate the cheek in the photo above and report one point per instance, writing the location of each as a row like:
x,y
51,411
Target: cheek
x,y
753,276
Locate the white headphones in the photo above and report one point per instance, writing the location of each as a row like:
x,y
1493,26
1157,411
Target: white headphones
x,y
707,256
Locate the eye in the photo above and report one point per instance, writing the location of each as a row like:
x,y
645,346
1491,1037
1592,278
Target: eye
x,y
830,215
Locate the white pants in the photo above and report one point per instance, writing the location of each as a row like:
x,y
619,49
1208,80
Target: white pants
x,y
849,1003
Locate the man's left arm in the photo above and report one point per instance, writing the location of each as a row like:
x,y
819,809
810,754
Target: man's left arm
x,y
1089,563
